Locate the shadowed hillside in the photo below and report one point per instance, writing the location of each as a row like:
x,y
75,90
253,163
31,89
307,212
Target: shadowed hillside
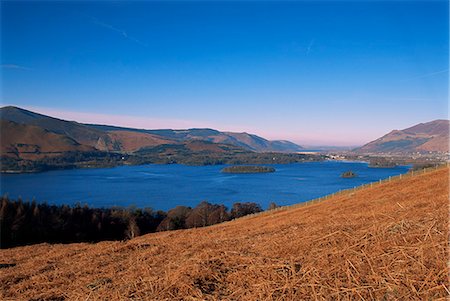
x,y
384,242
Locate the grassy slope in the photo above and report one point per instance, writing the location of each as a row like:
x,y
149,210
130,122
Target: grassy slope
x,y
33,142
430,136
389,241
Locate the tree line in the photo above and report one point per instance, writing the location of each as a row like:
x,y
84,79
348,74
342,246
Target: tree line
x,y
23,223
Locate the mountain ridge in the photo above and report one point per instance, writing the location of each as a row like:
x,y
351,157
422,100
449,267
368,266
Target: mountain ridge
x,y
34,142
249,141
116,138
430,136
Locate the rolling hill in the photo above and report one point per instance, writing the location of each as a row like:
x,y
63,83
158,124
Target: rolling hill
x,y
246,141
120,139
386,242
33,142
424,137
78,132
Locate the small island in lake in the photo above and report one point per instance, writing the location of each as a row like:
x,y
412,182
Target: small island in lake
x,y
348,174
248,169
382,163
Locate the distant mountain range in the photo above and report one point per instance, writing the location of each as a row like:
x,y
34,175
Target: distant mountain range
x,y
31,142
246,141
29,135
424,137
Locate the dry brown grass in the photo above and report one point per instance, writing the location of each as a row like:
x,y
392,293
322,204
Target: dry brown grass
x,y
132,141
388,242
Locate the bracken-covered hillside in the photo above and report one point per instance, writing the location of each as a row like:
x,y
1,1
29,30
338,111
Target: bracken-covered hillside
x,y
431,136
386,242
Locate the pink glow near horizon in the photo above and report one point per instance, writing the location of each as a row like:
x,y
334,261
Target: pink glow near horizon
x,y
305,137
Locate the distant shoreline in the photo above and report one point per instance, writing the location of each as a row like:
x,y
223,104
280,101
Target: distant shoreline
x,y
105,160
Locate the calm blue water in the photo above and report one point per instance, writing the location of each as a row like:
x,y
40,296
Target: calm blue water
x,y
166,186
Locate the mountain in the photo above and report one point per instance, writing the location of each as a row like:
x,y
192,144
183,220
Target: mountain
x,y
121,139
258,144
33,142
386,242
424,137
247,141
118,141
30,142
285,146
81,133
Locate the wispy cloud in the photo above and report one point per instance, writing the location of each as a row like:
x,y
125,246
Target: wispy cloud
x,y
426,75
14,66
119,31
310,45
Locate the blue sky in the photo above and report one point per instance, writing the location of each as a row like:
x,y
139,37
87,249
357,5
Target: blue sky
x,y
314,72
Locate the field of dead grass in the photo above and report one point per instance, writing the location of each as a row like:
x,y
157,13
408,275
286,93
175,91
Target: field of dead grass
x,y
388,242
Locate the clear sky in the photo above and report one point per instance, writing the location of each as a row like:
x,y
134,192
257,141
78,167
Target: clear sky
x,y
314,72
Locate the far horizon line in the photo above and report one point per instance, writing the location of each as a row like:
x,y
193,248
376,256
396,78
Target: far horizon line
x,y
87,119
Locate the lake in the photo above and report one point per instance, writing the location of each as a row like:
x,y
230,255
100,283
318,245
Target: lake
x,y
166,186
